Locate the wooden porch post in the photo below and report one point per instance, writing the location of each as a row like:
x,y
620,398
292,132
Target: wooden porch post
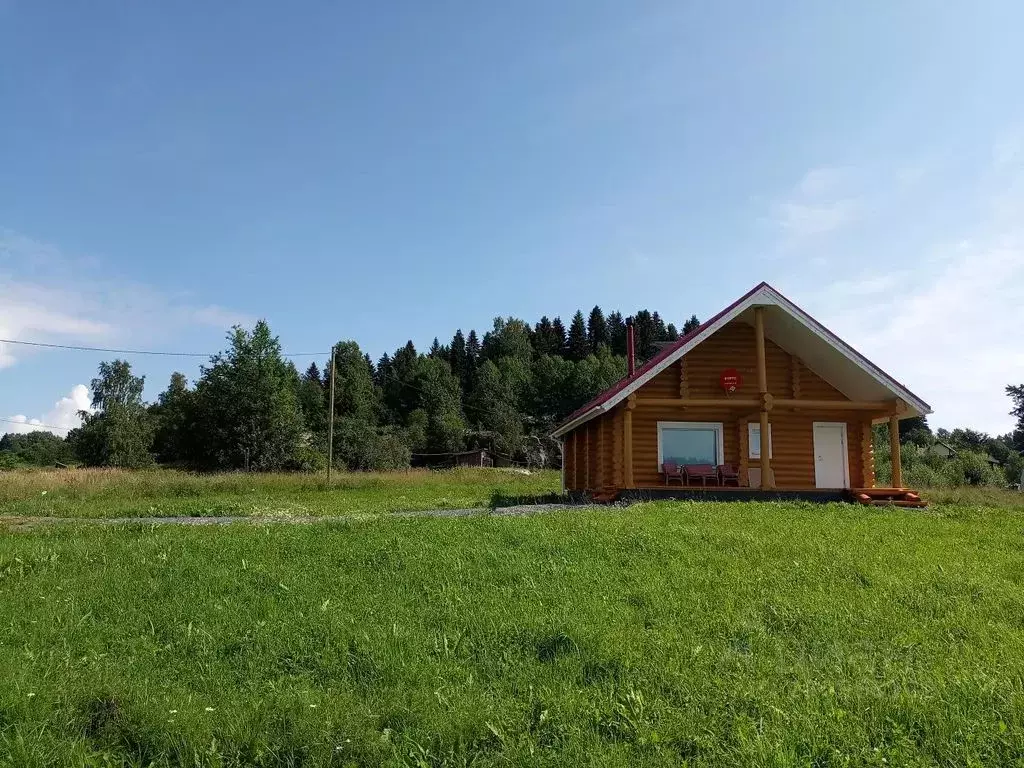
x,y
576,460
627,441
586,457
767,481
894,450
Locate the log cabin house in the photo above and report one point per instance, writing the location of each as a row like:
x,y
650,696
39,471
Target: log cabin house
x,y
760,366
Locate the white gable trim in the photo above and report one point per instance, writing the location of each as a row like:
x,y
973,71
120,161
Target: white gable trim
x,y
764,296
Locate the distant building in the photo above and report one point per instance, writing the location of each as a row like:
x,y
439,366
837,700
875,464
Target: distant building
x,y
946,451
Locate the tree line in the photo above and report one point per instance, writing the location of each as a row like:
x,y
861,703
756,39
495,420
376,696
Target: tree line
x,y
251,408
977,459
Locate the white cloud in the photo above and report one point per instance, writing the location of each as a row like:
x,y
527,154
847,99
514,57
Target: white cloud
x,y
802,220
818,204
819,182
48,296
59,419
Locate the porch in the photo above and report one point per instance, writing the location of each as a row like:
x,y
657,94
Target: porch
x,y
897,497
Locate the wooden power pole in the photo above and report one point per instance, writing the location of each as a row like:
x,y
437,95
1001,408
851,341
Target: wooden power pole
x,y
330,421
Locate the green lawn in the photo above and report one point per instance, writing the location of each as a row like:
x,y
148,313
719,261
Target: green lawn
x,y
95,493
662,634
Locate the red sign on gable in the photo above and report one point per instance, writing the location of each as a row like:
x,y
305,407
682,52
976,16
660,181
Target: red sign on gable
x,y
731,380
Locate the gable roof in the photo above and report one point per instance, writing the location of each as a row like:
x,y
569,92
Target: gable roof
x,y
818,348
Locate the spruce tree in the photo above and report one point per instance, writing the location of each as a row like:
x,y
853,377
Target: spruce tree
x,y
671,332
383,370
597,329
354,395
399,397
577,348
544,342
558,337
691,325
643,324
617,333
457,359
660,332
472,360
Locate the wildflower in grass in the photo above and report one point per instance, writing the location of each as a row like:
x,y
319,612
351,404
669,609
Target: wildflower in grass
x,y
209,709
174,712
31,695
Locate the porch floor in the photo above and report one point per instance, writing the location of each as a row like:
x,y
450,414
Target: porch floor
x,y
901,497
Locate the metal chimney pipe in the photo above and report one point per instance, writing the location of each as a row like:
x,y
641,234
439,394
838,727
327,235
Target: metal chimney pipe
x,y
630,347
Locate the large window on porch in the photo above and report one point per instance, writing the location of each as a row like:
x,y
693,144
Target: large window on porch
x,y
690,442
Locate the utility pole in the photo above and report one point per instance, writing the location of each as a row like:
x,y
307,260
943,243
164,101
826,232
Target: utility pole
x,y
330,421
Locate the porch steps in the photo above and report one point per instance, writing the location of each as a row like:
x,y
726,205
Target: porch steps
x,y
885,497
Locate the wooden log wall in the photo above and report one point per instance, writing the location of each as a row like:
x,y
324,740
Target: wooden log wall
x,y
595,453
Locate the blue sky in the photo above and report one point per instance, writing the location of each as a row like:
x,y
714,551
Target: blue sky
x,y
377,171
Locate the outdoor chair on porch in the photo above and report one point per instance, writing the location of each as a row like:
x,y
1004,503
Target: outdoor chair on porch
x,y
728,475
701,473
672,471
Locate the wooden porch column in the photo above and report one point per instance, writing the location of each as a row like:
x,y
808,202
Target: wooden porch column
x,y
627,441
576,460
767,481
894,450
586,458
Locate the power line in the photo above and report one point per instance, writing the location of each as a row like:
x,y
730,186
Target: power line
x,y
30,424
137,351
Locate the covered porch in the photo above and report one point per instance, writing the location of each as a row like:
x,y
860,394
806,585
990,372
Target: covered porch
x,y
872,497
676,428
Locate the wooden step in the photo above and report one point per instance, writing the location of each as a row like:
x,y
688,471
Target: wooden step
x,y
882,497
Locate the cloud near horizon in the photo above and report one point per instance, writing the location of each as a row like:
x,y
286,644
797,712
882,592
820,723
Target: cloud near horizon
x,y
60,419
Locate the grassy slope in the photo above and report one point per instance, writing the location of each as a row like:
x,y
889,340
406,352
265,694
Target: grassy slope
x,y
91,493
721,634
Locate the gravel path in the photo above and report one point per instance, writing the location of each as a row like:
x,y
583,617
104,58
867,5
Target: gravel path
x,y
18,523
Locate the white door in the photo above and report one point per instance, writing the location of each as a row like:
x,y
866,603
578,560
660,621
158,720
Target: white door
x,y
831,469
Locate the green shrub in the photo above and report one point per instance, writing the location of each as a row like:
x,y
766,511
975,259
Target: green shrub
x,y
360,446
307,459
923,476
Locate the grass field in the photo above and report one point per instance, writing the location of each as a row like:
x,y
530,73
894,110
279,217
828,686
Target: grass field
x,y
95,493
661,634
111,493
